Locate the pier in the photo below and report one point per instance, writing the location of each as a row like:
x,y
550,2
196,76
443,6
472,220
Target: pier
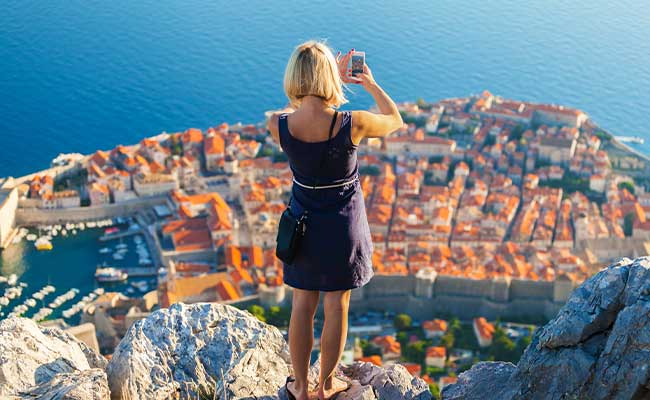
x,y
122,234
137,272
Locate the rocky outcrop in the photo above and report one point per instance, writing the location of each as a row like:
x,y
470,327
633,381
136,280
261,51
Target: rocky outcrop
x,y
598,346
31,356
212,350
370,382
198,350
90,384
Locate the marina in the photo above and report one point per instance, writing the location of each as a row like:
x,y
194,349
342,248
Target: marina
x,y
55,271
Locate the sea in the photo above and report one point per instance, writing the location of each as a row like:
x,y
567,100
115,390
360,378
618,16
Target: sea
x,y
82,75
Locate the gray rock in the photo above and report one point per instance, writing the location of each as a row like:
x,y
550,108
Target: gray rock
x,y
370,382
31,355
90,384
591,308
598,347
623,369
485,380
188,351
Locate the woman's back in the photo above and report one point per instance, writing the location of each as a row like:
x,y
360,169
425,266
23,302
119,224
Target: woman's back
x,y
319,162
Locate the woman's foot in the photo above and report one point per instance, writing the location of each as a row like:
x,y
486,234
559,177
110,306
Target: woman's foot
x,y
297,392
332,387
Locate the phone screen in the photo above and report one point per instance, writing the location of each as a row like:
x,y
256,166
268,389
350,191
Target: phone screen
x,y
358,60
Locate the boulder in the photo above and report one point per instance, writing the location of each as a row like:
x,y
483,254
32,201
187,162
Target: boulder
x,y
598,346
31,355
370,382
199,350
90,384
483,380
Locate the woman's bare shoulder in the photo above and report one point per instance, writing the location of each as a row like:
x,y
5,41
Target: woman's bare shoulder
x,y
273,124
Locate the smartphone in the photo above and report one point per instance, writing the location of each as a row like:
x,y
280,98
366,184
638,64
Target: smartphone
x,y
357,62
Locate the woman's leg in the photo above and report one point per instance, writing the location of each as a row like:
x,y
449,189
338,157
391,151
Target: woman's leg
x,y
335,330
301,338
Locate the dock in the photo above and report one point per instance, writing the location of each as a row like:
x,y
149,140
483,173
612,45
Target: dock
x,y
136,272
111,236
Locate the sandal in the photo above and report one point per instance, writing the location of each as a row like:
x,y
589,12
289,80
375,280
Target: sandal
x,y
290,395
348,386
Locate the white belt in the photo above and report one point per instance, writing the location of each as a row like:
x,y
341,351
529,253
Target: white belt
x,y
325,186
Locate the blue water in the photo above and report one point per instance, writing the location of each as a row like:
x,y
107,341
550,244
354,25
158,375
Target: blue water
x,y
70,264
77,75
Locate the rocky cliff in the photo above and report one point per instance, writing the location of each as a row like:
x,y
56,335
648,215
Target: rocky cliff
x,y
183,352
598,347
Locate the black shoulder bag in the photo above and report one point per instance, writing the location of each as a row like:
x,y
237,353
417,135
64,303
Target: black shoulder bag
x,y
291,228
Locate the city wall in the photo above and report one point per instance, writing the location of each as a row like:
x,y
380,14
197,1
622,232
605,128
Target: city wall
x,y
39,216
425,298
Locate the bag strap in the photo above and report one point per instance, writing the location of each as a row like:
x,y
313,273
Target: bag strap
x,y
327,145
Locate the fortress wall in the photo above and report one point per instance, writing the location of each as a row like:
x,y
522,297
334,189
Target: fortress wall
x,y
36,216
526,289
457,286
464,308
387,285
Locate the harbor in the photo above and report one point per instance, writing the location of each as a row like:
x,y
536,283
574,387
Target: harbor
x,y
55,271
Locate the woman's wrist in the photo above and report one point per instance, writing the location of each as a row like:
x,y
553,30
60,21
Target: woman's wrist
x,y
373,87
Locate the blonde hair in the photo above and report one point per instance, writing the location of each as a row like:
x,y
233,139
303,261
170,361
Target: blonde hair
x,y
312,71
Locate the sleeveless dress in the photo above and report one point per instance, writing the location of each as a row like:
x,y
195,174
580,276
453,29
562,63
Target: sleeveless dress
x,y
336,251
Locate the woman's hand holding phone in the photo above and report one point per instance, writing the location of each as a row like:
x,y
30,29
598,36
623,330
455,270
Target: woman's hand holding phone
x,y
364,78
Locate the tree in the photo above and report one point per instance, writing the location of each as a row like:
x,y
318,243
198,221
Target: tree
x,y
414,352
523,343
278,316
503,348
402,322
369,170
369,348
627,185
628,222
435,390
402,338
257,311
447,340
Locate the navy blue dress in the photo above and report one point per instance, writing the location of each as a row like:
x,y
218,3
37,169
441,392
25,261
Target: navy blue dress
x,y
336,251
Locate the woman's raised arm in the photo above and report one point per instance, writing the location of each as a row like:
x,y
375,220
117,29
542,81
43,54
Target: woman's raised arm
x,y
365,123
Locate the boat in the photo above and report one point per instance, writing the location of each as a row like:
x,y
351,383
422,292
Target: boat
x,y
38,296
142,286
4,301
13,278
122,246
43,244
104,250
99,291
109,231
110,274
3,279
144,261
630,139
130,290
31,237
118,256
30,302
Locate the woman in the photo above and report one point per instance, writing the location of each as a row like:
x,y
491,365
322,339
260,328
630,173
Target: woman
x,y
334,256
